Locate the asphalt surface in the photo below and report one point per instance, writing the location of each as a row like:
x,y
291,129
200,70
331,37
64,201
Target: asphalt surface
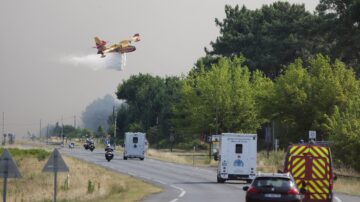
x,y
181,183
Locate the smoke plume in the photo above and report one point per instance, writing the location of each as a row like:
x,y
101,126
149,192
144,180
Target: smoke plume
x,y
112,61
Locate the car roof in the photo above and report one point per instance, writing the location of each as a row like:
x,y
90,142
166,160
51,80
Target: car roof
x,y
277,175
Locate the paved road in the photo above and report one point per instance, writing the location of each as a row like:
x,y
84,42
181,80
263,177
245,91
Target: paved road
x,y
181,183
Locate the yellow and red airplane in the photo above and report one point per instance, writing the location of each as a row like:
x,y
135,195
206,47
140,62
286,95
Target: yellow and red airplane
x,y
122,47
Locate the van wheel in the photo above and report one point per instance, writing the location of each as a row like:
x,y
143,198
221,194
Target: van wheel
x,y
220,180
142,159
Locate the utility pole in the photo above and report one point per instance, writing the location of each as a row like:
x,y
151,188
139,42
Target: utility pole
x,y
115,115
40,130
74,121
62,130
47,134
3,126
3,123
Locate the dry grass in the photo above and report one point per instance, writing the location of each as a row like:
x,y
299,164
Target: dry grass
x,y
182,157
347,186
166,156
271,163
74,186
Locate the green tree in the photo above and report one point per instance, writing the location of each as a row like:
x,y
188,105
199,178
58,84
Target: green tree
x,y
149,104
220,100
305,97
269,38
100,133
340,28
344,130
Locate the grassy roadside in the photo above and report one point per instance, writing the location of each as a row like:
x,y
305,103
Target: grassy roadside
x,y
200,158
84,182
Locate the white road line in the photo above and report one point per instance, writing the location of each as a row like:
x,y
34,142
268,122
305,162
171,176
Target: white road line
x,y
131,173
159,181
183,192
174,200
337,198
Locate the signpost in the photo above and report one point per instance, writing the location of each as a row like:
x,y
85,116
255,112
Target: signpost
x,y
172,139
8,169
55,164
268,140
312,135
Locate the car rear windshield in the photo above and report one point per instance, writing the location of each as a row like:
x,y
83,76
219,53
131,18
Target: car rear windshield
x,y
276,182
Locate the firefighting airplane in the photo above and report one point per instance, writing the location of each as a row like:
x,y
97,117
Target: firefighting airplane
x,y
122,47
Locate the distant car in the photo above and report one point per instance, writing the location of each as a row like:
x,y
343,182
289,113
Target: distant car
x,y
273,187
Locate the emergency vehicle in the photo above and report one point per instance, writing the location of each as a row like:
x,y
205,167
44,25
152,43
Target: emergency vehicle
x,y
134,145
237,157
311,166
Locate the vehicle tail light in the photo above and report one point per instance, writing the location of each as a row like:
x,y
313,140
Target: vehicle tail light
x,y
293,191
253,190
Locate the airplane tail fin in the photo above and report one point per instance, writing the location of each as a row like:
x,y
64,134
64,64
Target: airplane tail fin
x,y
136,37
100,44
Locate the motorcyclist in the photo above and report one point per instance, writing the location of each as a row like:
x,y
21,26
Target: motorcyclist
x,y
109,148
89,141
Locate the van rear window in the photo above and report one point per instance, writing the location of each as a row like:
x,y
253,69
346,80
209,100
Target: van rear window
x,y
135,140
238,148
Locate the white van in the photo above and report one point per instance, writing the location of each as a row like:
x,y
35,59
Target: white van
x,y
237,157
134,145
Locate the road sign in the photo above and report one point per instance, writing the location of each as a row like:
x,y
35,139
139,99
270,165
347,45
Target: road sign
x,y
55,163
312,135
8,169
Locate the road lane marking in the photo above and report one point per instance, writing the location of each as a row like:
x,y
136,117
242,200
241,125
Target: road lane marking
x,y
159,181
174,200
337,198
183,192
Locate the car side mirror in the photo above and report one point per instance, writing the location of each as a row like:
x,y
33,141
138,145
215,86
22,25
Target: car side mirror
x,y
245,188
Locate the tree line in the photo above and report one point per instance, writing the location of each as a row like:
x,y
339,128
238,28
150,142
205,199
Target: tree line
x,y
279,64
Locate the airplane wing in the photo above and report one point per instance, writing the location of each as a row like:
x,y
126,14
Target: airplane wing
x,y
113,48
124,43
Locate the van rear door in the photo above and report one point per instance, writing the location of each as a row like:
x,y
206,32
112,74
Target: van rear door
x,y
311,168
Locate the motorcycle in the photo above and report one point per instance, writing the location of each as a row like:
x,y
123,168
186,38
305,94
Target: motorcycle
x,y
109,155
91,147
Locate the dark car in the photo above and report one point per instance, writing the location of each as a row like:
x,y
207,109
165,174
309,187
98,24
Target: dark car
x,y
273,187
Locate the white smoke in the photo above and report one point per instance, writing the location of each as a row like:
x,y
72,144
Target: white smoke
x,y
95,62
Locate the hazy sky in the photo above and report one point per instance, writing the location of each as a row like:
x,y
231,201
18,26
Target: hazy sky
x,y
39,36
